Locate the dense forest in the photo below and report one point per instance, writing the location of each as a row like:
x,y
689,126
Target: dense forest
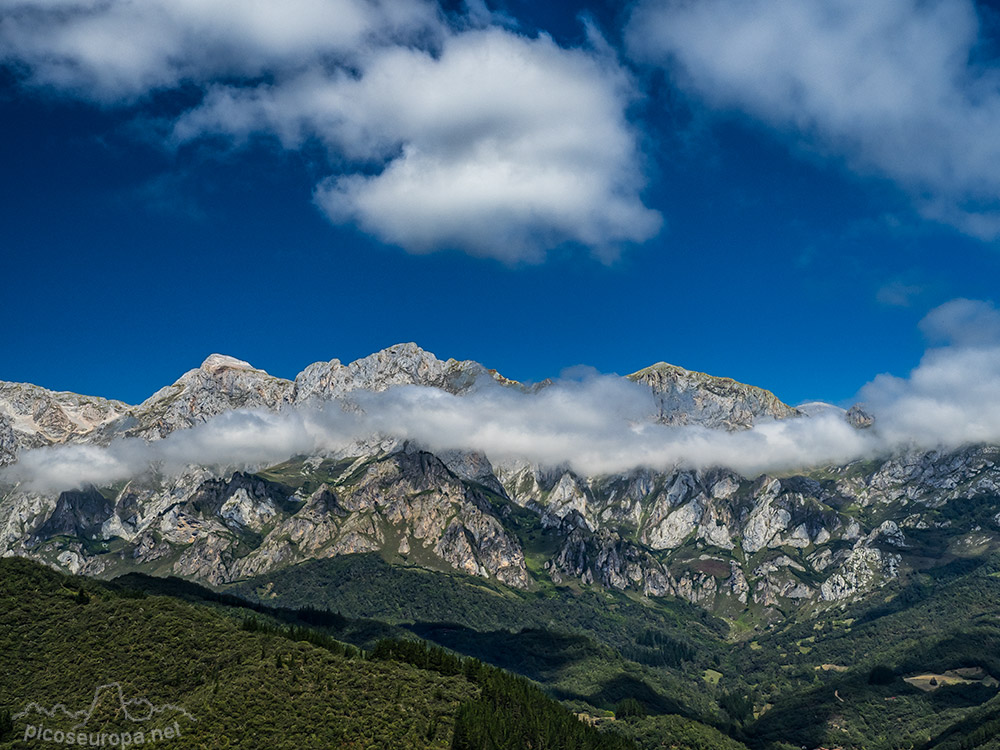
x,y
346,666
216,672
806,682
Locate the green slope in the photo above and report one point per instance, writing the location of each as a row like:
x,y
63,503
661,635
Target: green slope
x,y
839,680
588,646
367,586
220,674
804,683
245,690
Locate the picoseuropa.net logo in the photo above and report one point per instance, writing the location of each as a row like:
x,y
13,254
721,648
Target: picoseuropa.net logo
x,y
109,721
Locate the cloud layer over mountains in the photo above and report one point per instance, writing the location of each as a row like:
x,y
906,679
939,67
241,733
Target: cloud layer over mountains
x,y
598,424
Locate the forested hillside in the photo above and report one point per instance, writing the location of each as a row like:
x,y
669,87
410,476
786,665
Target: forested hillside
x,y
205,672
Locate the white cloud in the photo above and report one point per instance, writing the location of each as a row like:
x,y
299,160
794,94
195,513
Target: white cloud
x,y
114,50
460,134
953,396
232,439
951,399
500,145
602,425
963,323
891,86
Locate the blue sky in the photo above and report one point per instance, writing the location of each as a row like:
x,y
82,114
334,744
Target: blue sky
x,y
749,194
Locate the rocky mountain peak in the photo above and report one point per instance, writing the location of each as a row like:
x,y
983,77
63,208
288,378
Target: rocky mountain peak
x,y
689,397
859,417
220,384
398,365
217,362
401,364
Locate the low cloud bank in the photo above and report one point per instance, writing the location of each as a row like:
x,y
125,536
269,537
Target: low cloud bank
x,y
599,424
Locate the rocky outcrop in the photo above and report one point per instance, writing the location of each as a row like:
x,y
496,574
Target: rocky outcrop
x,y
79,513
607,559
863,569
859,418
219,385
403,364
416,494
473,467
31,417
928,478
686,397
9,444
223,529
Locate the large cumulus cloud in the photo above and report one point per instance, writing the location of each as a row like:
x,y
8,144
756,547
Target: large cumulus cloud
x,y
441,131
498,144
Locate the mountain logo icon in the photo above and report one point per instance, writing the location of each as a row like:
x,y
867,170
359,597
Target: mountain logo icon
x,y
109,720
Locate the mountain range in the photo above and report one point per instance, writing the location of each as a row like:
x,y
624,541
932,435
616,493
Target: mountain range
x,y
808,606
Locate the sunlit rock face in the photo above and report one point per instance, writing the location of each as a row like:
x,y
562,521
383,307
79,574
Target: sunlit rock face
x,y
219,385
403,364
686,397
31,417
